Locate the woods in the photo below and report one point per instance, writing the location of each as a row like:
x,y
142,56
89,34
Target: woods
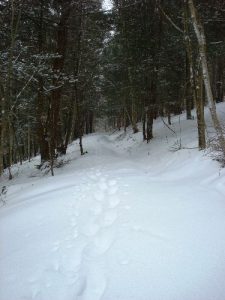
x,y
65,65
112,149
163,74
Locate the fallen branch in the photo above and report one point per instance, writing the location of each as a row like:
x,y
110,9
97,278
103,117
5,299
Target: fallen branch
x,y
168,126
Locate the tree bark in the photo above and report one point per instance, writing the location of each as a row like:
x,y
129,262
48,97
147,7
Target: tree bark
x,y
56,140
2,129
200,113
40,109
195,81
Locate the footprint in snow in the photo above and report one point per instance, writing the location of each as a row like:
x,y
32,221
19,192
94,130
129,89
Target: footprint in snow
x,y
97,209
112,190
91,229
54,266
76,214
112,182
124,262
99,195
56,246
80,286
96,283
109,218
35,292
113,201
102,185
91,176
127,207
73,222
98,173
70,205
55,249
32,280
75,234
102,242
69,246
48,284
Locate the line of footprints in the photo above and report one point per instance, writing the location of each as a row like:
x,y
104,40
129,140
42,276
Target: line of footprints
x,y
103,212
100,234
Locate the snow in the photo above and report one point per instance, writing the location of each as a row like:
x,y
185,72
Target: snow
x,y
126,221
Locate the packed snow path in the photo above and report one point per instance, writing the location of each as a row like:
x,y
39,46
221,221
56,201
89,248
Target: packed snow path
x,y
120,223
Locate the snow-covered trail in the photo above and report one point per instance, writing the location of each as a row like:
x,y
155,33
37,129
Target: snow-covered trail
x,y
120,223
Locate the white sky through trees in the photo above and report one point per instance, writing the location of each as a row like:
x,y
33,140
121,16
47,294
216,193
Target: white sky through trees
x,y
107,4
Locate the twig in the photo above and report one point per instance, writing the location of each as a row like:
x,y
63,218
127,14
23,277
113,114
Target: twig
x,y
170,20
168,126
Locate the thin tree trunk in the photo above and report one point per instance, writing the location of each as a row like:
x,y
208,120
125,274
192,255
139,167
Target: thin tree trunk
x,y
144,126
2,130
81,144
29,143
200,113
196,86
40,110
150,118
169,117
133,104
188,90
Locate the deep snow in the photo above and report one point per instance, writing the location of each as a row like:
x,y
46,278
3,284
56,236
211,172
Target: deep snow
x,y
126,221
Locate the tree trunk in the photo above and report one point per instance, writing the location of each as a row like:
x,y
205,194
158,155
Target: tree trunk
x,y
40,107
195,84
169,117
149,129
133,104
200,113
2,129
188,89
144,126
56,140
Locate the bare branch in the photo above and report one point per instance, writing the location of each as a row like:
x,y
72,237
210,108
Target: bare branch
x,y
170,20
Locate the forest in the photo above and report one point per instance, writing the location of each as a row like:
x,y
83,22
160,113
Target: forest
x,y
112,149
69,66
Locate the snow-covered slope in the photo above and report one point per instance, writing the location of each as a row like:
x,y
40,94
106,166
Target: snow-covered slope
x,y
126,221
